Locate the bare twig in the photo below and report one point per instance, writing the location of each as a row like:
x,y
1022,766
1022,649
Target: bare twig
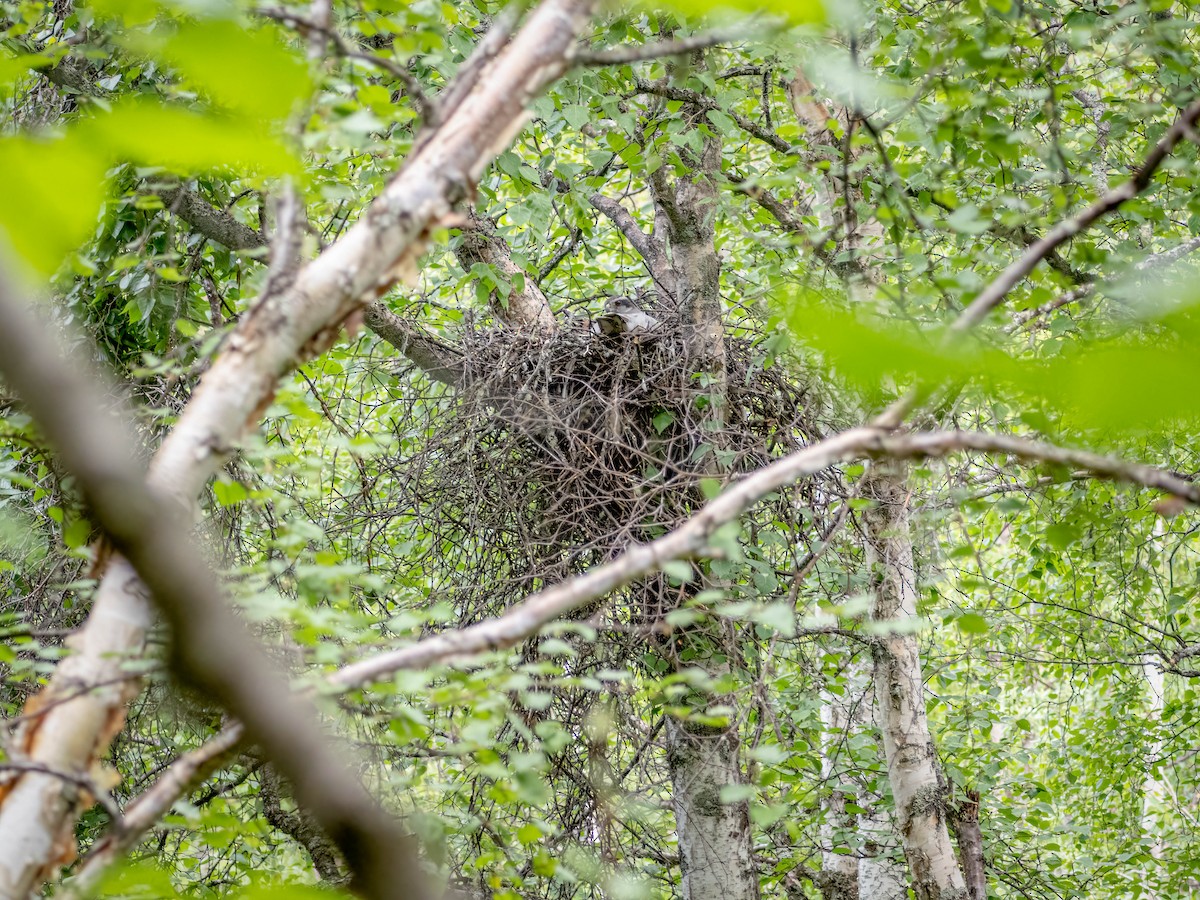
x,y
693,536
662,88
616,56
995,292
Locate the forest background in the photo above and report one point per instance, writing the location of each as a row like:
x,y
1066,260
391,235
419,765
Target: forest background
x,y
356,537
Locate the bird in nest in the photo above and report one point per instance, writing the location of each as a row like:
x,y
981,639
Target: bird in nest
x,y
623,316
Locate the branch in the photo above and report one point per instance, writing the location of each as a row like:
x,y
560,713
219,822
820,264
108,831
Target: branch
x,y
685,95
619,55
565,249
85,783
995,292
524,619
215,224
481,243
647,247
300,826
180,778
1157,260
269,340
692,537
439,361
211,648
309,28
843,264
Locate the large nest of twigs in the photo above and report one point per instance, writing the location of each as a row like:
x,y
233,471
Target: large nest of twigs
x,y
563,449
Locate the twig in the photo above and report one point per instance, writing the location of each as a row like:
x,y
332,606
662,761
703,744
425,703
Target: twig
x,y
677,47
309,28
684,95
691,538
81,781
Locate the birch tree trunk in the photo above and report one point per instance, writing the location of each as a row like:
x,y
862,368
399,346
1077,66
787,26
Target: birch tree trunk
x,y
917,785
839,871
713,836
69,725
864,867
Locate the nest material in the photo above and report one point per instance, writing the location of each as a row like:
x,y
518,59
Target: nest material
x,y
562,449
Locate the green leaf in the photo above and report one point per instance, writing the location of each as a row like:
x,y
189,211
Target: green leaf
x,y
967,220
972,623
77,533
529,834
778,616
228,493
53,190
153,134
679,569
1063,535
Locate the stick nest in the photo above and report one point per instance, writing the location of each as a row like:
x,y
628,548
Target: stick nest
x,y
562,449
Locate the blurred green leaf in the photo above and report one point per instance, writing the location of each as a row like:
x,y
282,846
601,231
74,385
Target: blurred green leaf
x,y
53,190
154,134
245,70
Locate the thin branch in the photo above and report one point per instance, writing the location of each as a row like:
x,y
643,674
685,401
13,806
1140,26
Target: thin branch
x,y
647,248
441,362
564,250
616,56
685,95
1029,318
995,292
692,537
524,619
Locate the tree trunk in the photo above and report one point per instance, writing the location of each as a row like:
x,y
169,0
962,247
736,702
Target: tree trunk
x,y
916,781
970,845
714,837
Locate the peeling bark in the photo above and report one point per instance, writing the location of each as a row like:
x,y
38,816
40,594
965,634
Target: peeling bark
x,y
714,837
69,725
915,778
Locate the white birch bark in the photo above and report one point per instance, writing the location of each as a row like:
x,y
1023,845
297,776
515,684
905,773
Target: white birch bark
x,y
868,870
68,726
913,773
839,871
713,837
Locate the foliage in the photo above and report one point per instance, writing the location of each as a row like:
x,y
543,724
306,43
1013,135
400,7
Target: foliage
x,y
376,506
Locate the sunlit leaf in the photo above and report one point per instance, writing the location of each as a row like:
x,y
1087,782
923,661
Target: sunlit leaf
x,y
53,190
